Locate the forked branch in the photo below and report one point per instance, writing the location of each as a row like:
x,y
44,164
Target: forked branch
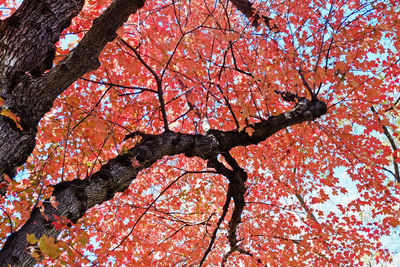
x,y
236,190
160,92
77,196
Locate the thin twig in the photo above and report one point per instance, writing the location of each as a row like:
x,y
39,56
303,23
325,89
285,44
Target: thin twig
x,y
392,144
156,77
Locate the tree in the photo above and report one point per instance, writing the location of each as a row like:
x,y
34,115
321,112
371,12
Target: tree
x,y
197,132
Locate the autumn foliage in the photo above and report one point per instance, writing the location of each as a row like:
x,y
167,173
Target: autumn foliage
x,y
307,94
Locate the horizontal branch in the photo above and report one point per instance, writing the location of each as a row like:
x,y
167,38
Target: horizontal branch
x,y
77,196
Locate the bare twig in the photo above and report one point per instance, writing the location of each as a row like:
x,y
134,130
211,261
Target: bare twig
x,y
156,77
220,220
237,178
386,132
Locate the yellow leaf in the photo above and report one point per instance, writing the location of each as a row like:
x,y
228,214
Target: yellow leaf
x,y
83,240
31,239
48,246
7,113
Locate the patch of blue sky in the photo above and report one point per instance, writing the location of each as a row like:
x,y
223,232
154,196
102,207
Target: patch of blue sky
x,y
90,256
5,10
112,260
67,40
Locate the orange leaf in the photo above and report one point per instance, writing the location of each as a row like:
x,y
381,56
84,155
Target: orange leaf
x,y
7,178
7,113
250,131
53,202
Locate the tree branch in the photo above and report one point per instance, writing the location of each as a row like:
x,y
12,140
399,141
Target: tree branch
x,y
77,196
220,220
158,82
252,15
237,178
386,132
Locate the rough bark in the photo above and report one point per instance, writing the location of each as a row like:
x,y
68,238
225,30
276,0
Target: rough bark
x,y
77,196
27,48
27,45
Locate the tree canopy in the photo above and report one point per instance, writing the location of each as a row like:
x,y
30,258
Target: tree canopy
x,y
198,132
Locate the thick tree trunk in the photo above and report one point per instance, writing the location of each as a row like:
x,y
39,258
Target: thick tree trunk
x,y
27,49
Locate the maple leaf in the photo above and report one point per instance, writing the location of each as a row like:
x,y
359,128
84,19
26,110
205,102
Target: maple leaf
x,y
3,184
53,202
31,239
249,131
135,162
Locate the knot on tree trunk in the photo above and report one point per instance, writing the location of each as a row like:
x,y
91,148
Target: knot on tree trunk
x,y
310,110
